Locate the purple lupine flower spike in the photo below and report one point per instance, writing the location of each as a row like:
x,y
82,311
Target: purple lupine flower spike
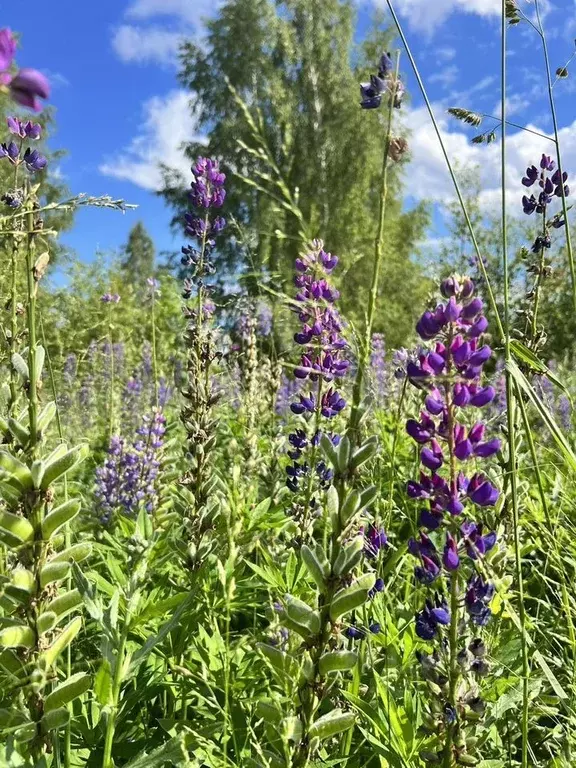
x,y
449,375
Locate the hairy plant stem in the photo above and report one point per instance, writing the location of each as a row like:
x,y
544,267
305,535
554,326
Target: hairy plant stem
x,y
68,539
111,421
549,86
392,474
302,756
116,686
481,265
154,350
510,406
313,456
453,670
538,284
366,343
13,305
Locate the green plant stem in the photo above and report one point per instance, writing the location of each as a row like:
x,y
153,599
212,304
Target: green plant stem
x,y
154,350
32,341
67,534
550,85
116,686
112,373
481,265
13,303
366,343
510,403
453,669
392,475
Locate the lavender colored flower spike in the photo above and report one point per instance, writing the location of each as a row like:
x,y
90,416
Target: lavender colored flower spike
x,y
7,48
28,87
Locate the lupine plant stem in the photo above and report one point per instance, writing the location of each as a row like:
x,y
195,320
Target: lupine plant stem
x,y
111,420
116,687
67,535
511,410
154,350
549,86
31,315
366,343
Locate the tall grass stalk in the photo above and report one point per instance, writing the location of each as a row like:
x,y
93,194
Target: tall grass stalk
x,y
366,342
461,202
511,409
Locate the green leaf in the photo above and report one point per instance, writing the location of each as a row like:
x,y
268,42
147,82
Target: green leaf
x,y
526,355
174,752
20,366
348,557
20,432
17,473
12,718
364,453
46,416
67,691
337,661
301,614
65,603
349,598
46,621
280,660
103,684
350,507
328,448
77,553
18,528
57,718
17,637
143,653
317,564
333,506
54,571
65,463
331,724
344,450
61,642
559,437
59,516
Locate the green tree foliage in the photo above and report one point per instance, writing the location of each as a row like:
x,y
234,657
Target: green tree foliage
x,y
275,88
138,261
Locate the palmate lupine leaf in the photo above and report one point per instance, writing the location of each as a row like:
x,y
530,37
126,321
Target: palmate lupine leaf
x,y
173,752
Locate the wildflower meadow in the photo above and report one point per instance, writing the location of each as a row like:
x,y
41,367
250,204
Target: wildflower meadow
x,y
300,492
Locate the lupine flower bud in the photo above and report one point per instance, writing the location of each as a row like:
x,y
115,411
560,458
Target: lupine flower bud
x,y
28,87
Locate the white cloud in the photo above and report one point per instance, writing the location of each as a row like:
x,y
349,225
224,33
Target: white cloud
x,y
143,44
168,124
445,76
426,15
191,11
428,176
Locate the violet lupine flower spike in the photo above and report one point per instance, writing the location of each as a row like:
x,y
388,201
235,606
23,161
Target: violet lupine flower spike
x,y
346,562
386,81
322,364
18,154
552,185
449,375
203,225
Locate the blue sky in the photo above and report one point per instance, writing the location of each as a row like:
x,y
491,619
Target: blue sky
x,y
120,110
